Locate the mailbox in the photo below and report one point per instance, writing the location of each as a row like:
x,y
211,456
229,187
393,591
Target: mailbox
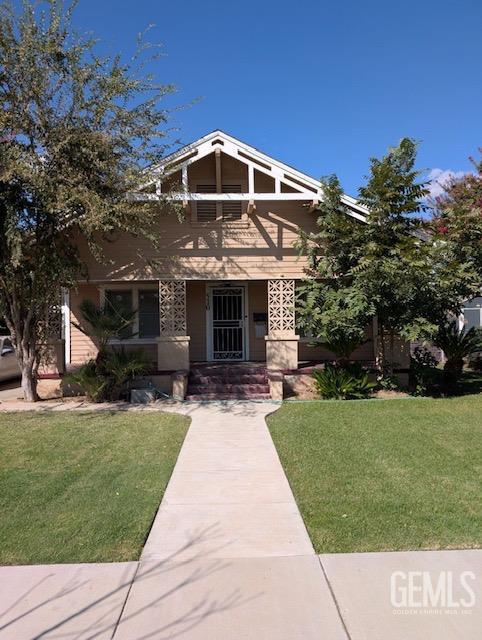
x,y
260,324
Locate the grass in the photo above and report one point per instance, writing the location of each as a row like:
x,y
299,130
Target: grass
x,y
376,475
82,487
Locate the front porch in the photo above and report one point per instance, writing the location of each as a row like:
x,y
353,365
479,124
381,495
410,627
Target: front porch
x,y
183,321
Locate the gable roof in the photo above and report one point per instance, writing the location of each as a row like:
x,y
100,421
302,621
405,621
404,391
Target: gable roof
x,y
244,152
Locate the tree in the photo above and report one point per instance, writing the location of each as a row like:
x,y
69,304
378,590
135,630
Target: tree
x,y
389,267
330,307
362,270
457,219
77,131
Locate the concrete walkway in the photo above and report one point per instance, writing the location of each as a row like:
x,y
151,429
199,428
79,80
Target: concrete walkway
x,y
228,557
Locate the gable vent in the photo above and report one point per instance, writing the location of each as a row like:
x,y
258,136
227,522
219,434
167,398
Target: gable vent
x,y
206,188
232,209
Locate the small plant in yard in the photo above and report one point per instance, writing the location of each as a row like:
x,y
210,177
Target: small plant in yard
x,y
476,363
387,382
423,372
456,345
343,383
107,379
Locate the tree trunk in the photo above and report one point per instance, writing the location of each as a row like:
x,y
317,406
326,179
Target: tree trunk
x,y
382,357
29,383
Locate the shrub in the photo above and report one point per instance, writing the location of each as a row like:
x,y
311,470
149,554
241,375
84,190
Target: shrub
x,y
423,372
476,363
88,379
456,345
343,383
106,380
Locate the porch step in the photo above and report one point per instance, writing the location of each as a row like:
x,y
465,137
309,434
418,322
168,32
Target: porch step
x,y
228,370
200,397
211,387
231,381
235,378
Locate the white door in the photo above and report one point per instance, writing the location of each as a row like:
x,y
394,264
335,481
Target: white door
x,y
226,323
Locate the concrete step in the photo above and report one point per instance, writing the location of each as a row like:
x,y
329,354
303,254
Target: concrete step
x,y
241,378
228,396
227,388
228,370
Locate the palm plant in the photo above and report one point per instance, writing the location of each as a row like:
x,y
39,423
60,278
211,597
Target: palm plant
x,y
343,346
343,384
457,345
121,367
105,323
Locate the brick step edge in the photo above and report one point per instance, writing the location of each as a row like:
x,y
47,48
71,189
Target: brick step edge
x,y
227,370
253,378
228,396
228,388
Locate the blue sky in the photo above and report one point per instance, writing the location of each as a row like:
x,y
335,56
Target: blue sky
x,y
320,85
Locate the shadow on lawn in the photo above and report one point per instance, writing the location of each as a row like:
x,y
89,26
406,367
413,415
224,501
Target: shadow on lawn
x,y
442,386
149,600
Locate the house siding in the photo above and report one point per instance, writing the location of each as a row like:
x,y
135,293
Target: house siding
x,y
82,348
258,249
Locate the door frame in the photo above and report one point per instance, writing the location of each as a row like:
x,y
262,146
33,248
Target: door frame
x,y
209,326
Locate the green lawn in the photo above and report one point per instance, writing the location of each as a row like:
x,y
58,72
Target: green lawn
x,y
385,474
82,487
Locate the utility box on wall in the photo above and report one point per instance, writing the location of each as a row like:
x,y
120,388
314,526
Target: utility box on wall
x,y
260,321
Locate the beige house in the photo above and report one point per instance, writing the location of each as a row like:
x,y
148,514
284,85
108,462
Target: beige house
x,y
220,286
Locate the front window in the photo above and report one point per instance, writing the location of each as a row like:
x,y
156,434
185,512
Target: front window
x,y
148,313
472,313
121,302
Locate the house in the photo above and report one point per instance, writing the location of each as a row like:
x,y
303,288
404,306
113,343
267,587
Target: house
x,y
220,285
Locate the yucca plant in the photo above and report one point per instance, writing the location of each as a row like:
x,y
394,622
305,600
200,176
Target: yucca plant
x,y
104,323
88,379
343,347
335,383
457,344
106,381
123,366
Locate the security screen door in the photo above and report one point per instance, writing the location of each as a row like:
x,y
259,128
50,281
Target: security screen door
x,y
227,323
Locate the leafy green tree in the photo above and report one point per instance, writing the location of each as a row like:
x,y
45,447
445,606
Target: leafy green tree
x,y
330,306
393,267
77,131
362,270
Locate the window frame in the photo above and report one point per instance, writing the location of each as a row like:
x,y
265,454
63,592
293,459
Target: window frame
x,y
462,322
134,288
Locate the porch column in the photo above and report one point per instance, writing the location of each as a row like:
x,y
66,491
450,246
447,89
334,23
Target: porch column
x,y
173,343
281,341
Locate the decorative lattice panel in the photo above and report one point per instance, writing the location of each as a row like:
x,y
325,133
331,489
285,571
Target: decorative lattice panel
x,y
51,327
281,305
172,307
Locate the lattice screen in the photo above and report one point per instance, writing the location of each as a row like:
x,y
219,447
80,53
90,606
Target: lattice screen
x,y
172,307
281,305
51,328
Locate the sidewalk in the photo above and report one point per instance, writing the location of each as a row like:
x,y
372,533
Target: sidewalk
x,y
228,558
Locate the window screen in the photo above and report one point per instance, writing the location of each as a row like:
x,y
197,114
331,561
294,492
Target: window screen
x,y
473,313
148,313
121,301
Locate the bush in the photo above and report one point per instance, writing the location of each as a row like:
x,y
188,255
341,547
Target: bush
x,y
456,345
106,380
347,383
475,363
88,379
423,372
